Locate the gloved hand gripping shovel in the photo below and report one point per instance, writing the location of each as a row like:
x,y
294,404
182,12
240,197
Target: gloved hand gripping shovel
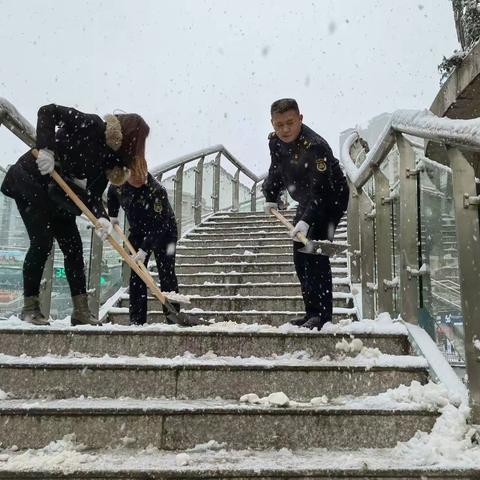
x,y
313,247
180,318
145,276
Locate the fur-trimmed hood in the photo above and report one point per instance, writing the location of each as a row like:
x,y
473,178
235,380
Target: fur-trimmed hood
x,y
113,132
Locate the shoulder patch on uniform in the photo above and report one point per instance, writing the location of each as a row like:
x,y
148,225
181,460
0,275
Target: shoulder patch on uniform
x,y
321,164
271,135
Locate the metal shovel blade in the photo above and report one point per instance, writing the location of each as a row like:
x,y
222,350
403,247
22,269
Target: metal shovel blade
x,y
323,247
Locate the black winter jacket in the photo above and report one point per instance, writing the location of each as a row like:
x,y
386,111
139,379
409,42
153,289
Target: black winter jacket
x,y
148,211
78,142
312,175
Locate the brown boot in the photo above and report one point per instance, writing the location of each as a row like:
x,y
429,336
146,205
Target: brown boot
x,y
81,314
31,312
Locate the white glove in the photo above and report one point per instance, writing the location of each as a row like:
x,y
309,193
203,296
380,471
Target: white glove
x,y
140,256
268,206
45,161
103,228
114,221
300,227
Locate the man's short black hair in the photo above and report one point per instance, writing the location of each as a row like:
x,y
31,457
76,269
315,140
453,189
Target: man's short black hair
x,y
284,105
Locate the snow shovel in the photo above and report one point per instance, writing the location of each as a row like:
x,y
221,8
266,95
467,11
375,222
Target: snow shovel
x,y
180,318
313,247
181,301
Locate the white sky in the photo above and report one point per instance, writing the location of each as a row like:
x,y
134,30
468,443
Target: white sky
x,y
204,72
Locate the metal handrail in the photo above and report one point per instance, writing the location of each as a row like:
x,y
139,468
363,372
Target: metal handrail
x,y
184,159
16,123
418,123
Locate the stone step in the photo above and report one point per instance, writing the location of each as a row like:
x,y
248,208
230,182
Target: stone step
x,y
169,341
236,268
257,258
204,463
244,242
254,317
233,230
269,289
190,378
240,304
174,425
201,278
206,250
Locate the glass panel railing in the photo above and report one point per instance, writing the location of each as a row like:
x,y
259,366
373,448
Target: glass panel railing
x,y
13,247
440,308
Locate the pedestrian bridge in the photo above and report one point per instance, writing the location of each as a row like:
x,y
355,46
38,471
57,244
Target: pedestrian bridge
x,y
247,396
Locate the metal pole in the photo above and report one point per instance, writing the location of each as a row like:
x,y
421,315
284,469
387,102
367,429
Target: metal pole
x,y
383,242
94,273
253,198
367,238
197,202
353,234
178,195
408,232
216,183
236,191
46,285
468,238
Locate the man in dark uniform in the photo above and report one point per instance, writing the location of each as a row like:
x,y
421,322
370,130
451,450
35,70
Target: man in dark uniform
x,y
303,163
152,229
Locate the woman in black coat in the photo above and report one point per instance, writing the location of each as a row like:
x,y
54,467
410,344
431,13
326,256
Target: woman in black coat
x,y
88,152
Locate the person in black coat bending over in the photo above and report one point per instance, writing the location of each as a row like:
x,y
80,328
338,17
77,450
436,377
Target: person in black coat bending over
x,y
152,229
303,163
88,152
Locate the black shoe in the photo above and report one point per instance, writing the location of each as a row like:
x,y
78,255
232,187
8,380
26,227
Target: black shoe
x,y
298,321
314,323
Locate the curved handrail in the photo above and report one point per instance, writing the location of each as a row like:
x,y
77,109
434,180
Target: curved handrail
x,y
418,123
177,162
16,123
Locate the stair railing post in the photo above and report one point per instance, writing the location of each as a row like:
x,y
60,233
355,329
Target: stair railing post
x,y
46,285
253,197
216,183
236,191
94,273
353,234
197,202
466,204
383,242
408,232
367,242
178,196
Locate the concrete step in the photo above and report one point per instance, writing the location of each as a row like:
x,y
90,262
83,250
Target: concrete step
x,y
254,317
256,258
201,278
169,341
189,378
237,267
223,464
233,230
269,289
244,242
206,250
257,303
172,425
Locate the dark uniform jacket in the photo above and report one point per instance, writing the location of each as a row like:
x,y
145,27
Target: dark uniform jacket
x,y
312,176
148,211
78,142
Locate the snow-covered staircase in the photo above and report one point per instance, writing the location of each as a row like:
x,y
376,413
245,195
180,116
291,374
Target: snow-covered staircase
x,y
145,401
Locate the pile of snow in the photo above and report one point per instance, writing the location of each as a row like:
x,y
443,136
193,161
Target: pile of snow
x,y
382,324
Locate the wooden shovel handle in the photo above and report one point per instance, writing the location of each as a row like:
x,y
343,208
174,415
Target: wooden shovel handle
x,y
290,227
144,275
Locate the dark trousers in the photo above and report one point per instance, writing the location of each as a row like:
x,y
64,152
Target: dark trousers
x,y
315,277
45,222
165,259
